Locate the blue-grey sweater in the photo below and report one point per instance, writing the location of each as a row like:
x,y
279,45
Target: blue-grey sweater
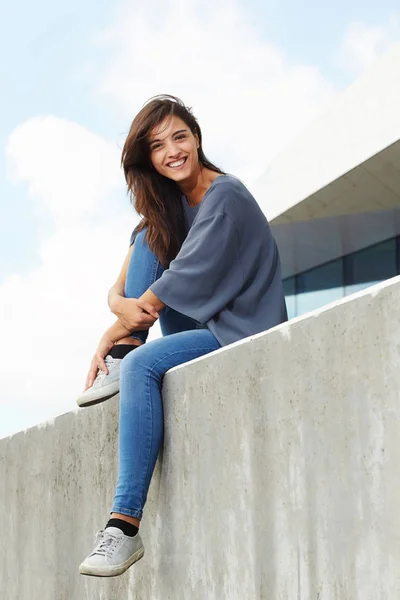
x,y
227,274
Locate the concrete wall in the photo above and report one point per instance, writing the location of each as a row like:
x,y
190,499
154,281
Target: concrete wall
x,y
280,476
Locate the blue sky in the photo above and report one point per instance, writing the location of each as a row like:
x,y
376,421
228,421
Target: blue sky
x,y
73,78
43,75
311,31
49,47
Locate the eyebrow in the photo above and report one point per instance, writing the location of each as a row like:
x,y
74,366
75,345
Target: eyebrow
x,y
175,133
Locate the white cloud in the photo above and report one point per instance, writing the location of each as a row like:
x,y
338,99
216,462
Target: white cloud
x,y
53,317
69,170
249,99
363,44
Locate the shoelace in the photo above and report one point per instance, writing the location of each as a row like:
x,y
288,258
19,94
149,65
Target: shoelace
x,y
109,360
105,543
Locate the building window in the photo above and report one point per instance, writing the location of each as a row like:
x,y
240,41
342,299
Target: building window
x,y
370,266
290,296
329,282
319,286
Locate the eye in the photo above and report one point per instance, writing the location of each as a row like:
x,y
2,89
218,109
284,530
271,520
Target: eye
x,y
155,147
180,136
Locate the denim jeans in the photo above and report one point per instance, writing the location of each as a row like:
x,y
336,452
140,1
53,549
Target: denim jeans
x,y
142,371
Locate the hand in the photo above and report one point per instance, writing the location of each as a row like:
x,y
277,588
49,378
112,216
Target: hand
x,y
97,363
135,314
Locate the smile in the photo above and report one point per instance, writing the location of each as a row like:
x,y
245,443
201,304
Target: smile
x,y
177,163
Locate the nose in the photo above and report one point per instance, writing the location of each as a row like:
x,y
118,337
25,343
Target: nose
x,y
172,149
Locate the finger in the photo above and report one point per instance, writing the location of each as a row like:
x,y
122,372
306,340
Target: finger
x,y
91,376
149,308
146,320
102,365
88,383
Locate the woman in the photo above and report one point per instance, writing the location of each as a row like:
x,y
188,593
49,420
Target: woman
x,y
203,261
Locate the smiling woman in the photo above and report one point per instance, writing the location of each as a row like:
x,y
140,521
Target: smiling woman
x,y
204,257
163,134
173,149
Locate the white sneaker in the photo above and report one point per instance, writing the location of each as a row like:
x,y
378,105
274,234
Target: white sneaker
x,y
104,386
113,554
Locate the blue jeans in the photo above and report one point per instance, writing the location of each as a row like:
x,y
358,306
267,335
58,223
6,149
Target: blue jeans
x,y
142,371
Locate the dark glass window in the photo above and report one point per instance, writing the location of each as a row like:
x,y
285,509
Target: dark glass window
x,y
371,265
320,286
290,296
329,282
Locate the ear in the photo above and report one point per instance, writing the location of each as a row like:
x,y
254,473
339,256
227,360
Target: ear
x,y
197,141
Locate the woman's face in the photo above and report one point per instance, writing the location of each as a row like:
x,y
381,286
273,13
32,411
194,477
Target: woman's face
x,y
173,149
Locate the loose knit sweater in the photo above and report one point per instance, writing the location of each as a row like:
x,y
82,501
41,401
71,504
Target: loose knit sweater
x,y
227,274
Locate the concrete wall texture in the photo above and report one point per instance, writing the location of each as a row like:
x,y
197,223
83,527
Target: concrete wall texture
x,y
279,477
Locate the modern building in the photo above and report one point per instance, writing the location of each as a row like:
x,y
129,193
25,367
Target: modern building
x,y
333,196
290,435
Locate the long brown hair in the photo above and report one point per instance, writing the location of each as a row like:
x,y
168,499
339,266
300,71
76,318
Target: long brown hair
x,y
155,197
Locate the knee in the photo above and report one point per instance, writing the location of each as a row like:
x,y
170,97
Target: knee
x,y
141,236
132,360
128,361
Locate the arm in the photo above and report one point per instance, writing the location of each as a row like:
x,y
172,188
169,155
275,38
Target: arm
x,y
141,314
106,343
148,296
141,319
116,297
117,291
207,273
147,302
116,332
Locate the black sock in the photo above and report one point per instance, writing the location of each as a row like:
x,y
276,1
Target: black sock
x,y
121,350
124,526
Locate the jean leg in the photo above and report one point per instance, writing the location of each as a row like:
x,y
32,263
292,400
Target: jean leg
x,y
141,411
172,321
143,270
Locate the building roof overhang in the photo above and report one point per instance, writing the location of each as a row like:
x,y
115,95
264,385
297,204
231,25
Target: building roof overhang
x,y
336,189
357,210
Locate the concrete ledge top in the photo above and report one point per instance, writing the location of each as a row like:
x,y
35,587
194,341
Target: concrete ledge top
x,y
278,478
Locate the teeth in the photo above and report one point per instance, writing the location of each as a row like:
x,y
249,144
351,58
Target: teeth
x,y
177,163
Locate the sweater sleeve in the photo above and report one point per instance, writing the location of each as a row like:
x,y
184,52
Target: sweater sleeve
x,y
206,274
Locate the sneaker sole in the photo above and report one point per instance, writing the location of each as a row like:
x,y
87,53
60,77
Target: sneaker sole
x,y
111,571
107,393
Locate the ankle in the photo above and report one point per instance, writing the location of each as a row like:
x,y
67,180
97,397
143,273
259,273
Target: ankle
x,y
129,340
126,528
126,518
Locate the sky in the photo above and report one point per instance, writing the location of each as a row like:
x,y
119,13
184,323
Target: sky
x,y
72,77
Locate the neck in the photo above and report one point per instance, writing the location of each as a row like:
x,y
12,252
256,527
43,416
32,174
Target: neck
x,y
195,188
